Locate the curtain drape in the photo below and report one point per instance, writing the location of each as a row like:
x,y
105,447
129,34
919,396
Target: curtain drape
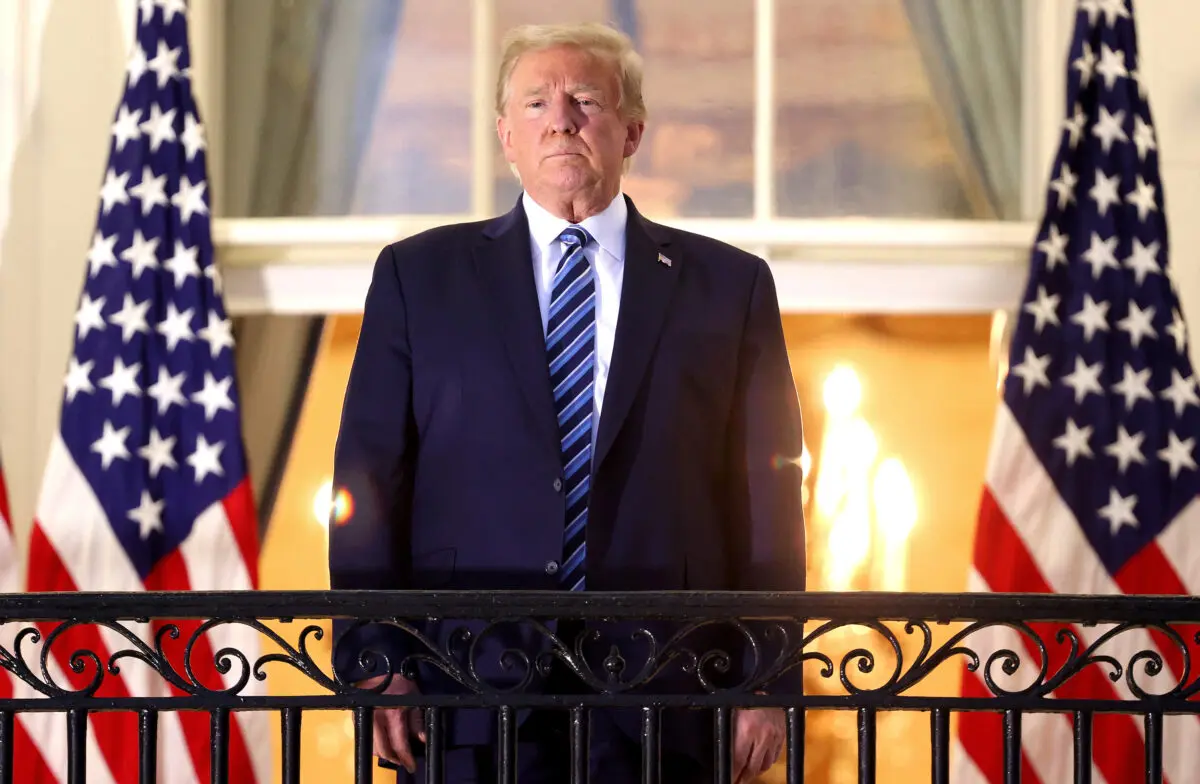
x,y
972,53
309,75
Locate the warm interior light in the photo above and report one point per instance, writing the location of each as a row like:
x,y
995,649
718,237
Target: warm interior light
x,y
322,506
843,392
865,506
895,516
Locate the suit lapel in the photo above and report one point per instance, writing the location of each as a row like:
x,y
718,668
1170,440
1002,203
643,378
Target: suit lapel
x,y
646,290
504,264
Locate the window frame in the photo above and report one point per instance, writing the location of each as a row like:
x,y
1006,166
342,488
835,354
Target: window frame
x,y
322,265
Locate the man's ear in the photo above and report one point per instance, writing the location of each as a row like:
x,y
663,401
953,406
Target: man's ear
x,y
633,137
503,135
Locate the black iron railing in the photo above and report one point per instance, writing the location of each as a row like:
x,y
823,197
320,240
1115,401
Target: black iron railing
x,y
654,654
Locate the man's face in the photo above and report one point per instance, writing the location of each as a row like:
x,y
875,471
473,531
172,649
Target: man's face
x,y
561,127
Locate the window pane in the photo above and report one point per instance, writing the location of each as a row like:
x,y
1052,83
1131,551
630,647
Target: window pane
x,y
898,108
348,107
695,158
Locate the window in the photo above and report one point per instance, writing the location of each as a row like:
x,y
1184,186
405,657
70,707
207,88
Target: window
x,y
789,108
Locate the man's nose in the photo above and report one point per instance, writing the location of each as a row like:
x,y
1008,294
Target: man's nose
x,y
562,116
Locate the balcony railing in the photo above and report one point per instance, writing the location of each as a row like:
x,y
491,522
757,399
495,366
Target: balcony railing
x,y
654,654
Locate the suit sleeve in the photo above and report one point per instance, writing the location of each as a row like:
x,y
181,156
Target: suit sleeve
x,y
369,536
767,514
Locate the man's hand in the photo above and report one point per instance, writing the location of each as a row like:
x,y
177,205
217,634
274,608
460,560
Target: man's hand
x,y
393,726
757,742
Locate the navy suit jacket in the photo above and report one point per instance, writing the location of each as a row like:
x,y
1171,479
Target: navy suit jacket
x,y
448,443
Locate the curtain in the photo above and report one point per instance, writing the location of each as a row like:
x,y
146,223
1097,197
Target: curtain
x,y
308,75
972,53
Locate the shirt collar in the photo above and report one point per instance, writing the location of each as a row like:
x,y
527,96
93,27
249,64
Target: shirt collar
x,y
607,228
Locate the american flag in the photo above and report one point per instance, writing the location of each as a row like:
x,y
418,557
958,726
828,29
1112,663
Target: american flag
x,y
29,755
146,485
1092,479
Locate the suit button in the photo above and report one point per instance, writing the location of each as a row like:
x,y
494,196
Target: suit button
x,y
558,485
551,567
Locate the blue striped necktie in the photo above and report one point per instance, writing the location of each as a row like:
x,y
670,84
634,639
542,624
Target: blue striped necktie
x,y
571,352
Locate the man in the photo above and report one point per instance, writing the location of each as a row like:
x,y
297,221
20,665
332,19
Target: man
x,y
568,397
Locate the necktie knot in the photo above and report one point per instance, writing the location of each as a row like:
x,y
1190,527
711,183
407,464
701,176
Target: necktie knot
x,y
574,236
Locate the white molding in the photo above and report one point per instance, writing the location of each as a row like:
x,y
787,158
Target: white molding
x,y
764,109
323,265
483,114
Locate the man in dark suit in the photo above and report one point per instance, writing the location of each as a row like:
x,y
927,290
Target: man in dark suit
x,y
568,397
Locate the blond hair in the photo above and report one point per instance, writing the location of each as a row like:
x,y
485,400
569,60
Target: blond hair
x,y
592,37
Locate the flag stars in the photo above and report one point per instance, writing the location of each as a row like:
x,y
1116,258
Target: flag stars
x,y
79,378
1143,260
1138,323
88,316
189,199
1044,309
159,127
183,264
1177,454
101,254
1055,247
1032,370
114,191
1092,7
167,390
151,191
1143,137
1143,197
1113,10
1074,441
1092,317
1108,129
1101,254
125,127
1134,386
206,459
176,326
218,333
142,255
147,515
213,274
1064,186
1141,85
1074,126
1084,378
214,396
1104,191
193,136
1112,66
158,453
1178,331
165,63
137,66
131,318
1182,392
122,381
1119,511
172,7
1085,64
111,445
1126,449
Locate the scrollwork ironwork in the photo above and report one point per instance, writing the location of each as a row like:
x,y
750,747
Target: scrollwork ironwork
x,y
858,658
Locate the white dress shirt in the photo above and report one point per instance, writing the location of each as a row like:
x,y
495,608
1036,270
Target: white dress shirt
x,y
607,261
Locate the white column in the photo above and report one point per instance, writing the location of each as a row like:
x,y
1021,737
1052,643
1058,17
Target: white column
x,y
60,78
483,133
764,109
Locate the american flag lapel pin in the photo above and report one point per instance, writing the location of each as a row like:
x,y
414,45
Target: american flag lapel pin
x,y
666,262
